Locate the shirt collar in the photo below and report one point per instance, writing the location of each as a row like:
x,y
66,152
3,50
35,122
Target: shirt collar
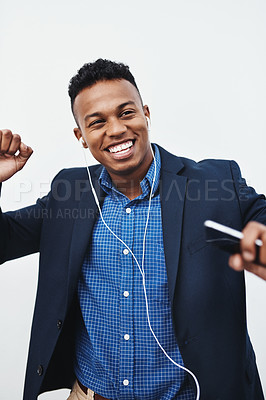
x,y
107,185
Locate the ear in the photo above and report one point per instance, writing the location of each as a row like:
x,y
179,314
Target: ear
x,y
146,111
147,116
78,134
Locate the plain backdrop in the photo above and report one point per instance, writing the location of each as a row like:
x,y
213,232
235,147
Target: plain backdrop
x,y
200,66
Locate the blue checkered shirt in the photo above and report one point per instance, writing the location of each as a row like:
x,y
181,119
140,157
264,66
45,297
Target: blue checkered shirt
x,y
116,354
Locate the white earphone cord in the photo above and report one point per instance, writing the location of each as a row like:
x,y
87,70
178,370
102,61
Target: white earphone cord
x,y
141,269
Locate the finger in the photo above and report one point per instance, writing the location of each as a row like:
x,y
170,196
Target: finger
x,y
6,136
236,262
252,231
14,144
3,131
25,151
257,270
263,248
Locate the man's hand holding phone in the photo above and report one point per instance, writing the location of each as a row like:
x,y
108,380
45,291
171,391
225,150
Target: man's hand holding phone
x,y
245,260
248,248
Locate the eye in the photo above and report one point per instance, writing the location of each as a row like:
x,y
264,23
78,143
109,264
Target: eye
x,y
127,113
96,122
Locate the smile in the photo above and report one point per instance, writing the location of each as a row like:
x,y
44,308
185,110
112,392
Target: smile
x,y
120,147
121,151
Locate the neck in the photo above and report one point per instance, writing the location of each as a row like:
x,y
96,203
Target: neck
x,y
129,188
129,184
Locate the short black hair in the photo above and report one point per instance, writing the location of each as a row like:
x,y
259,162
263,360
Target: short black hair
x,y
99,70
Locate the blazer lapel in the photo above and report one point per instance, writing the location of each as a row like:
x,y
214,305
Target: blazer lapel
x,y
172,192
88,212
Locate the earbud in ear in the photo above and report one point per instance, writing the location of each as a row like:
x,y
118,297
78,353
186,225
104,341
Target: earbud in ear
x,y
148,122
81,141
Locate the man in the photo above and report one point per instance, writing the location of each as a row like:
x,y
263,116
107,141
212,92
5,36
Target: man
x,y
90,327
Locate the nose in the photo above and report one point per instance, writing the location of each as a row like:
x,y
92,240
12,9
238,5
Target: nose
x,y
115,127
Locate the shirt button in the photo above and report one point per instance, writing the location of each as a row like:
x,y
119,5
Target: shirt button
x,y
125,251
40,370
126,336
125,382
128,210
126,293
59,324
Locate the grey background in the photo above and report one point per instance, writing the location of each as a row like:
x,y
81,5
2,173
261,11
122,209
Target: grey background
x,y
200,66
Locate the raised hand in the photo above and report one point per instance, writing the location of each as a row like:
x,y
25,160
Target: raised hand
x,y
13,154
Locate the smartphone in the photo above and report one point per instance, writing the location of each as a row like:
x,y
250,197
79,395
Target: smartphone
x,y
227,239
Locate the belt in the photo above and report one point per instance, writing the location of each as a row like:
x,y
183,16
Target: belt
x,y
85,390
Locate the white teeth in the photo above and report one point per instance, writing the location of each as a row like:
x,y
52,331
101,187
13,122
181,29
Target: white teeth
x,y
123,146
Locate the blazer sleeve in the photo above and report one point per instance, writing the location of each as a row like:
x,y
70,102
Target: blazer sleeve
x,y
20,230
252,205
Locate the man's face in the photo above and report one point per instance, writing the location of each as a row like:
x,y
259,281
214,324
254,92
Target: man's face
x,y
113,124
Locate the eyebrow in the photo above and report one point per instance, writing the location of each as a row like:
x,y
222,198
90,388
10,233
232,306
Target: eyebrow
x,y
98,113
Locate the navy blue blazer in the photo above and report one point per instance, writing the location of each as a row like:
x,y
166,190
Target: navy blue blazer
x,y
207,297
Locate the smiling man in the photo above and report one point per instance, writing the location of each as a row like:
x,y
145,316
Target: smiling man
x,y
113,123
139,269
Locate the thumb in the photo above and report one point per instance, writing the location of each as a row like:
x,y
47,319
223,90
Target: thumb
x,y
24,152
